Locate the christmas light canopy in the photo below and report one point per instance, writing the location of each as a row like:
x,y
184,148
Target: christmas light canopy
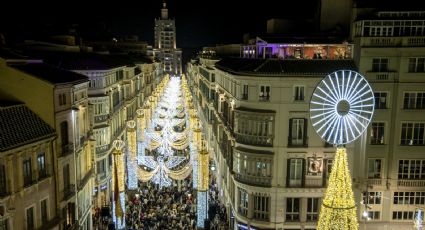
x,y
341,107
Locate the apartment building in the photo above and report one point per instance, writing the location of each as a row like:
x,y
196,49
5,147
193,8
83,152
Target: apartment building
x,y
390,52
118,85
60,98
272,168
27,178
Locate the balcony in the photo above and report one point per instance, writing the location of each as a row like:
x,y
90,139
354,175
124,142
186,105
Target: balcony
x,y
410,183
296,142
85,179
387,76
101,118
255,140
414,41
254,180
392,41
374,182
68,192
55,222
101,149
313,183
67,149
264,98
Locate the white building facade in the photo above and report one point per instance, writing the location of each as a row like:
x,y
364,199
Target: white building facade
x,y
390,52
272,168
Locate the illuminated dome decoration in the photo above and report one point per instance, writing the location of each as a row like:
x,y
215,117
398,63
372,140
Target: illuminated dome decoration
x,y
341,107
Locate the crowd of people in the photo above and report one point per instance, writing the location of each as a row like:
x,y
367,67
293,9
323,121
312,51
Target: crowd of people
x,y
174,207
162,208
216,210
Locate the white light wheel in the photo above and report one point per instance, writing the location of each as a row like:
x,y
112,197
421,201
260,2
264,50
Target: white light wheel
x,y
341,107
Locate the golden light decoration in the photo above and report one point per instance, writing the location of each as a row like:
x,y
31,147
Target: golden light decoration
x,y
131,139
338,209
118,176
140,124
203,170
119,163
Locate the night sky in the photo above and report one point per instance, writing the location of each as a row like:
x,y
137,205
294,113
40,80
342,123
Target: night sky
x,y
199,23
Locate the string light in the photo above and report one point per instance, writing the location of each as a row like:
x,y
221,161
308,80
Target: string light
x,y
118,184
338,208
166,109
132,155
202,205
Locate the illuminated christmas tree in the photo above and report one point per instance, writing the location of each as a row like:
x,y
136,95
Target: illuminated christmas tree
x,y
338,210
341,108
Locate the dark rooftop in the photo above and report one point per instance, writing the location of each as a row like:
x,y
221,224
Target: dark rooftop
x,y
50,73
273,39
278,67
20,126
87,61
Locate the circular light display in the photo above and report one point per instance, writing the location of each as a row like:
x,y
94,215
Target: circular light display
x,y
341,107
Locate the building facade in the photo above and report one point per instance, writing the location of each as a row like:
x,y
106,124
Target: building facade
x,y
165,48
27,178
390,52
272,168
62,102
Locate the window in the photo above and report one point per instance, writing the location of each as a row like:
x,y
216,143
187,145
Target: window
x,y
101,167
402,215
62,99
66,178
414,100
312,209
374,168
372,197
381,100
4,224
41,160
299,93
245,92
43,211
328,168
254,128
297,132
64,133
243,202
414,198
416,65
411,169
27,172
3,190
295,174
380,65
261,206
412,133
373,215
292,209
377,133
264,93
30,218
98,109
